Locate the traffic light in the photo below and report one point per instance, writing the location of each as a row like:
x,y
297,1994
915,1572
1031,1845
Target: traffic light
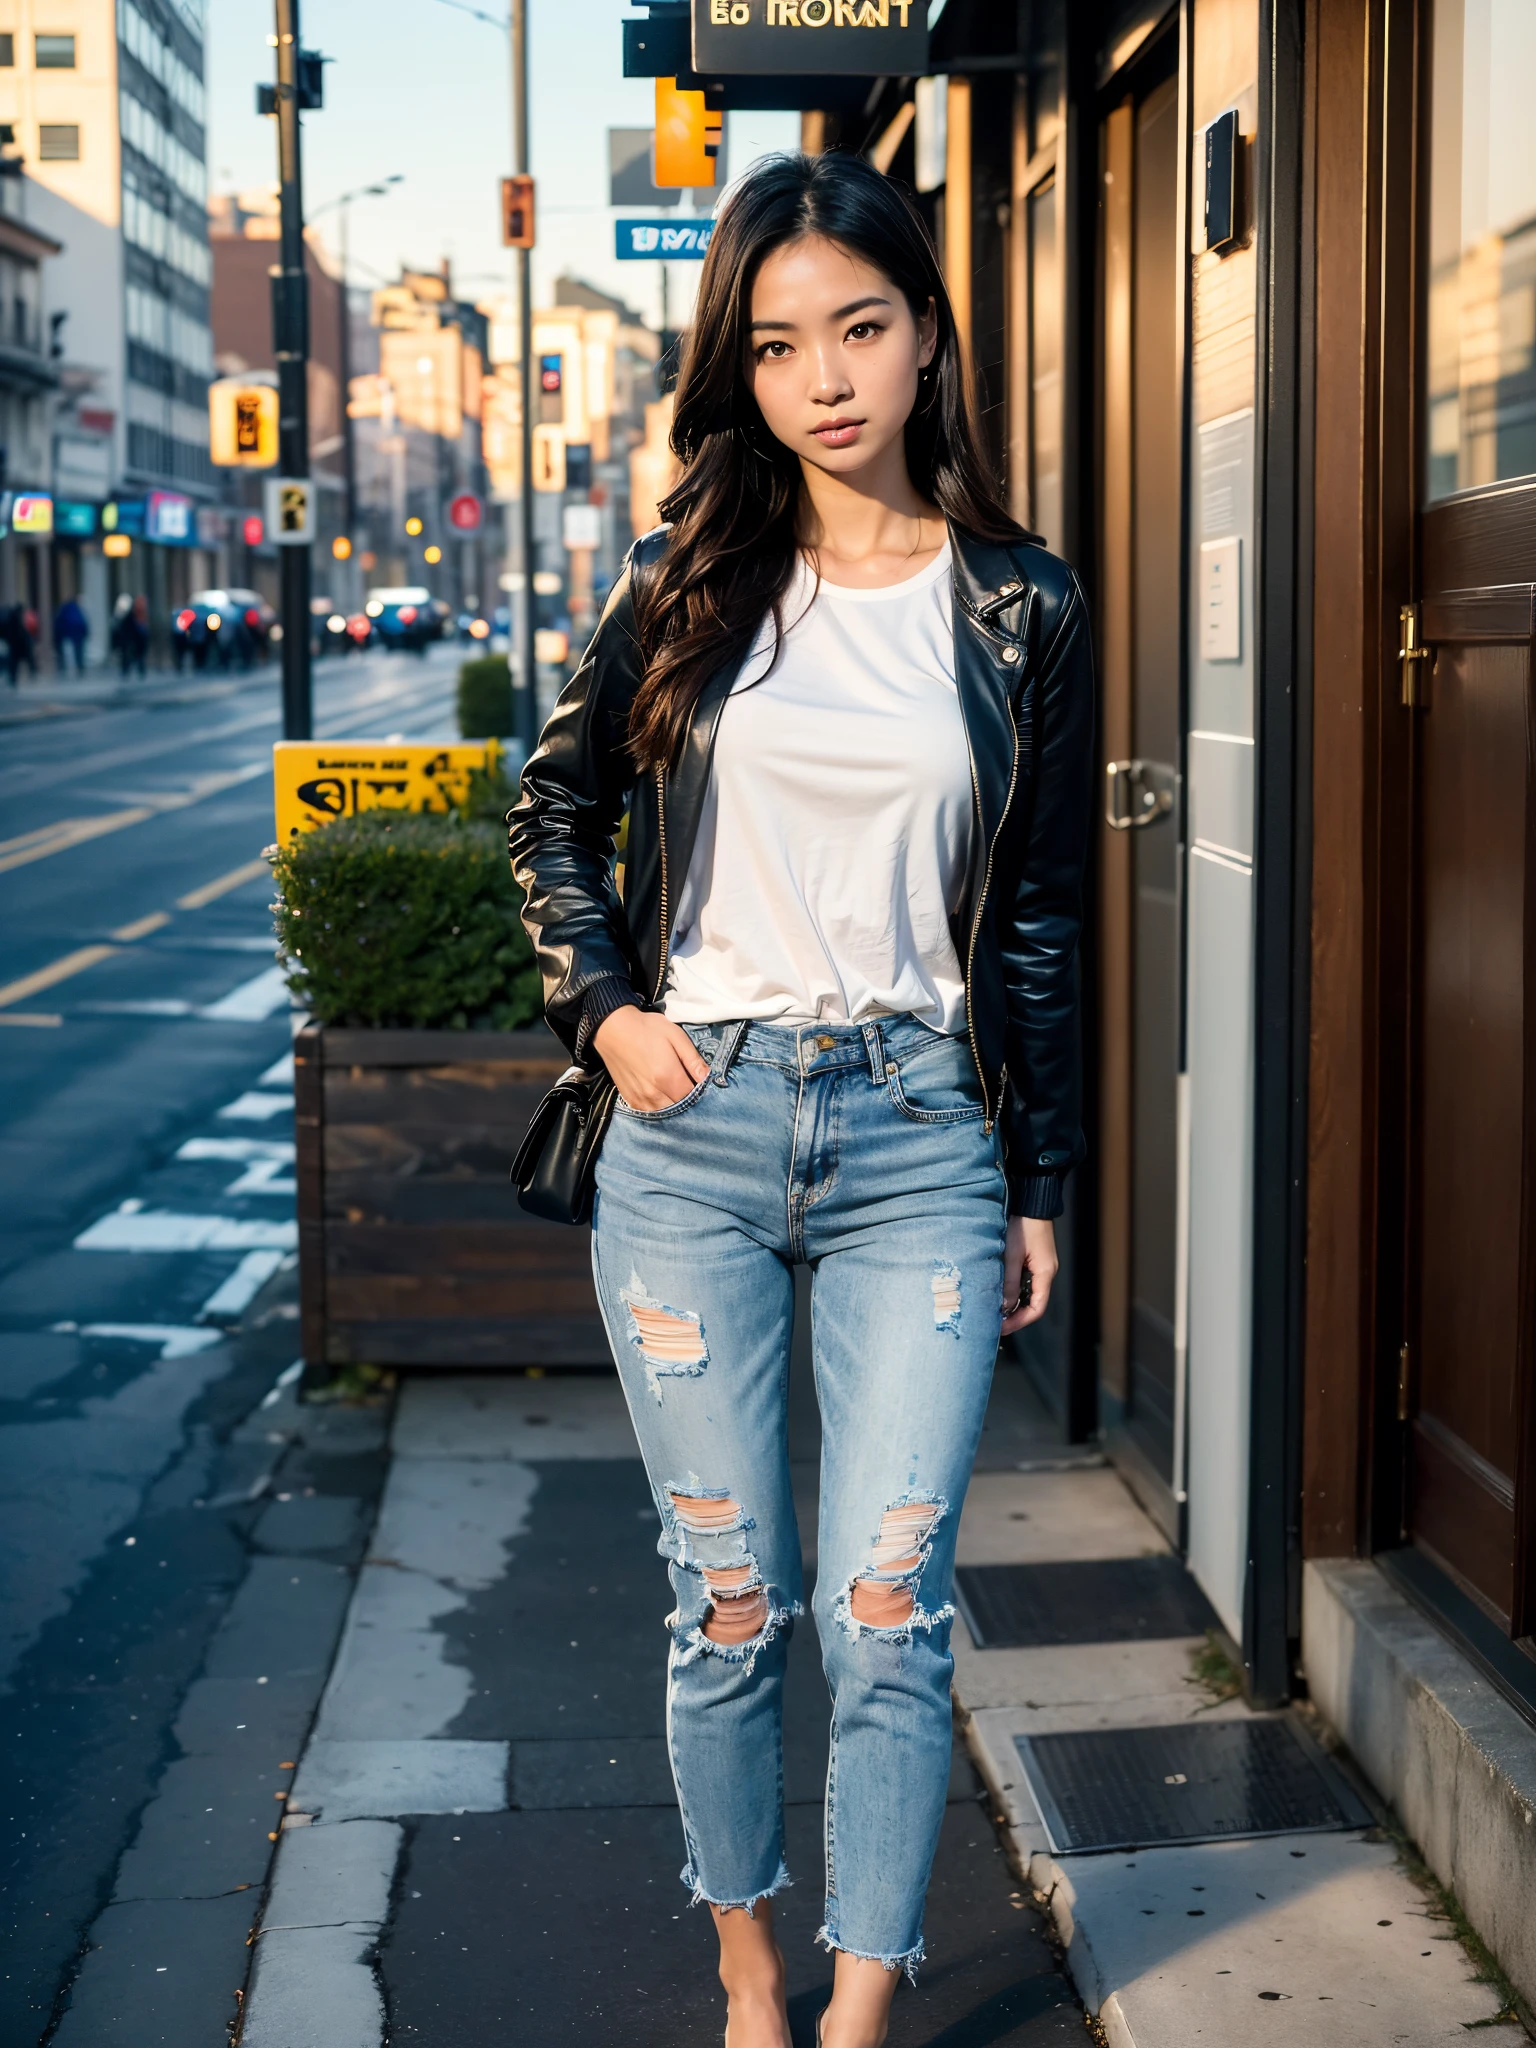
x,y
341,548
242,424
517,212
413,526
687,136
551,390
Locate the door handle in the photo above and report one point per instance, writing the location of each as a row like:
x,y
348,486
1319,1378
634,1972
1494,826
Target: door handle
x,y
1148,793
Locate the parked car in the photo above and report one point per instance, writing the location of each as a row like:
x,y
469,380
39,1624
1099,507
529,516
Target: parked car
x,y
409,617
337,632
224,628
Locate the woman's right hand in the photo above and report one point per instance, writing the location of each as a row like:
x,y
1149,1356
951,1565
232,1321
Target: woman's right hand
x,y
653,1062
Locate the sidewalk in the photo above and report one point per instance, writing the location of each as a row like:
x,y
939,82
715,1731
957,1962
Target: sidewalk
x,y
482,1833
67,694
481,1836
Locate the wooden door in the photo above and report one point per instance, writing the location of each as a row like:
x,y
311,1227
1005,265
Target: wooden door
x,y
1467,1369
1143,734
1467,1372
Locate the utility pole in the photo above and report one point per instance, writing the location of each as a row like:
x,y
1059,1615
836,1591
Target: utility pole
x,y
348,435
525,698
290,332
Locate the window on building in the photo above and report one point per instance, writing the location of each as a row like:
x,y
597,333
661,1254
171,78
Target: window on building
x,y
55,53
58,142
7,52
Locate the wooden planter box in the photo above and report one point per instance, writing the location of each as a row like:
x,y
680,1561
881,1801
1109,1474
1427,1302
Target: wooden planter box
x,y
412,1248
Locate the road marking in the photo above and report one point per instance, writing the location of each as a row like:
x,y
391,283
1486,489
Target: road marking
x,y
242,1286
152,1006
279,1074
33,1017
46,977
211,891
141,928
131,1229
175,1340
57,838
256,1109
240,1150
252,1001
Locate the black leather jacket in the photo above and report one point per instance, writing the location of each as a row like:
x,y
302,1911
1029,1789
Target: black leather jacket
x,y
1024,674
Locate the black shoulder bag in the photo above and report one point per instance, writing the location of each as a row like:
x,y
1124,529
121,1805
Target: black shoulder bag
x,y
557,1160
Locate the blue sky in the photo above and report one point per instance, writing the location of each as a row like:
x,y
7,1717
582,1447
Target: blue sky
x,y
423,87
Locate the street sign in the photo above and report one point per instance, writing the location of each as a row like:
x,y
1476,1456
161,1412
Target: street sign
x,y
242,424
581,526
465,513
32,512
637,241
290,510
630,180
517,212
863,38
315,784
169,518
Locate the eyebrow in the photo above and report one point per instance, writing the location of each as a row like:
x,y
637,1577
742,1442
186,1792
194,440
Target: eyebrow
x,y
854,306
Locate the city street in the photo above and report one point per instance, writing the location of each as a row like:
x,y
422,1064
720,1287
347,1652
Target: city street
x,y
146,1208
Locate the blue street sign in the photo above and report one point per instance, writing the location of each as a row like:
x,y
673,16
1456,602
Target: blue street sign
x,y
637,241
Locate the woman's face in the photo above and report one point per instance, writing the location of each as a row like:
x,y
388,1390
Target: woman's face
x,y
835,354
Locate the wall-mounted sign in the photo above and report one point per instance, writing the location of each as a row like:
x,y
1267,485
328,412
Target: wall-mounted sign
x,y
581,526
124,515
885,38
74,517
32,512
647,240
170,519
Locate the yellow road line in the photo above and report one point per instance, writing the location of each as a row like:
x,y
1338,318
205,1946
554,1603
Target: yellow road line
x,y
18,853
46,977
142,927
235,879
27,1017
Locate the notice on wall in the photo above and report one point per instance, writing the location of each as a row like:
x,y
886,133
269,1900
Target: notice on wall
x,y
317,783
1221,599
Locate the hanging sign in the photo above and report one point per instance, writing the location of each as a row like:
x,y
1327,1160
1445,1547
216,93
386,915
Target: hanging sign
x,y
857,38
646,240
290,510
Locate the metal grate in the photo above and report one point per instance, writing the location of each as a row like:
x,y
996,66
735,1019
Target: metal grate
x,y
1103,1600
1204,1781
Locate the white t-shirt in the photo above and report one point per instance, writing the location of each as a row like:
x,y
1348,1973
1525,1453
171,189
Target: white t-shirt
x,y
833,840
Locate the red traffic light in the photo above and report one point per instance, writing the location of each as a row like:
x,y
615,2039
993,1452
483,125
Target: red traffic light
x,y
464,513
252,532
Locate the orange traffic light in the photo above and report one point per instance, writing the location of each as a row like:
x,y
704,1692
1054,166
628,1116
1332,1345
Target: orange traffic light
x,y
687,137
341,548
517,213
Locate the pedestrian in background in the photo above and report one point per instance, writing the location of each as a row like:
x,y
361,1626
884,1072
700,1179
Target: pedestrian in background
x,y
130,633
71,630
19,649
848,703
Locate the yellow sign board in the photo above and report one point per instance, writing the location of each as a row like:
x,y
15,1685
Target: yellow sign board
x,y
316,783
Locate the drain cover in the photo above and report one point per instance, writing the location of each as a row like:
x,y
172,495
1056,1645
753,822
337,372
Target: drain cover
x,y
1101,1600
1203,1781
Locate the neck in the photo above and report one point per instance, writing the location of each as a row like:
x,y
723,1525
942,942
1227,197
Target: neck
x,y
871,512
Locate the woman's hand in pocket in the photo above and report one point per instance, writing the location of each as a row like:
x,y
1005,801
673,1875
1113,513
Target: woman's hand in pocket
x,y
654,1063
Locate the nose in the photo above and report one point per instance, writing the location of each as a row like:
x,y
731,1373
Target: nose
x,y
829,380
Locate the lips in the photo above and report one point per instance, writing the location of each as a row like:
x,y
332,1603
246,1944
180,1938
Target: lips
x,y
838,433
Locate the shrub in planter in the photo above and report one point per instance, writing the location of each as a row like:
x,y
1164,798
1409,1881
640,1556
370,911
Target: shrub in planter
x,y
485,698
406,921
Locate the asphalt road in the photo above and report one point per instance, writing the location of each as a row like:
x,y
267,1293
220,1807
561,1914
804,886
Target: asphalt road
x,y
146,1226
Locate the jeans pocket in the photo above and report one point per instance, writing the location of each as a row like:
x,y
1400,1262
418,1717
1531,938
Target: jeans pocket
x,y
938,1085
661,1116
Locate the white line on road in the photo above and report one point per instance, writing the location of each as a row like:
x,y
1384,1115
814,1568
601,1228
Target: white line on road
x,y
279,1074
132,1229
252,1001
175,1339
257,1109
239,1150
241,1288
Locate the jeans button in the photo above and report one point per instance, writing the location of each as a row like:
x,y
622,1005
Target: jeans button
x,y
825,1044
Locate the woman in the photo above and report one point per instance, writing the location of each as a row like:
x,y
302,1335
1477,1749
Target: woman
x,y
848,704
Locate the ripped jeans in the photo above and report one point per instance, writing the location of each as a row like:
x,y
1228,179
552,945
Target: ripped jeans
x,y
859,1150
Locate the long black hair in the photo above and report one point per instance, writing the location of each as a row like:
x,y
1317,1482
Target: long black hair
x,y
734,513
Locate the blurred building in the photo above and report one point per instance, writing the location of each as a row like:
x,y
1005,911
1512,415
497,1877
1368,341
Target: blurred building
x,y
107,109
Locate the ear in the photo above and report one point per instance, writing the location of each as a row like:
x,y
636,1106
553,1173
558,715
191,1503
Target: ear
x,y
927,335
